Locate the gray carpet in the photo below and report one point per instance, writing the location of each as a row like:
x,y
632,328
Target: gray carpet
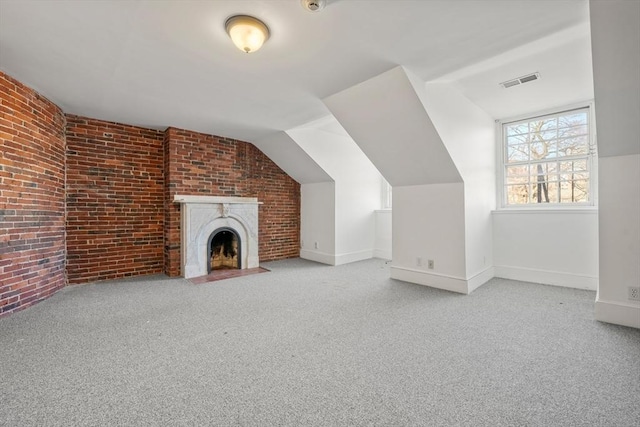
x,y
312,345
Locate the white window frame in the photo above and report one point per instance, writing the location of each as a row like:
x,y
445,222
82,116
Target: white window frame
x,y
386,195
592,161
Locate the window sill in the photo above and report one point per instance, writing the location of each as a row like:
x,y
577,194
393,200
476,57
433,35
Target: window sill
x,y
555,210
386,210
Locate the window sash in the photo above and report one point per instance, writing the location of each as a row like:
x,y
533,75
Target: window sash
x,y
563,183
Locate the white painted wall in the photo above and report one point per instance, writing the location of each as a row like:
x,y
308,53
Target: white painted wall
x,y
317,222
357,191
386,118
428,224
383,234
619,192
468,132
291,158
411,137
615,31
554,247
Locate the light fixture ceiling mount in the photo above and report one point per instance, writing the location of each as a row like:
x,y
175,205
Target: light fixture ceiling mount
x,y
313,5
246,32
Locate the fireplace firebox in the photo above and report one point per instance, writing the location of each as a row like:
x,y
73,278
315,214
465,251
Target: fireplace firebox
x,y
224,250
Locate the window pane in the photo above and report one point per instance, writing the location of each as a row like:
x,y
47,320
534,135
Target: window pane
x,y
574,176
553,149
543,125
573,146
518,153
518,179
546,135
574,191
519,129
573,131
581,191
518,170
573,119
517,194
553,192
547,171
540,192
518,139
578,165
539,150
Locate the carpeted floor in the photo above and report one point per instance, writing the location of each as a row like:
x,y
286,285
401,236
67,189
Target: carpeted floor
x,y
312,345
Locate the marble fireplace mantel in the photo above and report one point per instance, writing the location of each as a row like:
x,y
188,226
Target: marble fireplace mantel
x,y
202,215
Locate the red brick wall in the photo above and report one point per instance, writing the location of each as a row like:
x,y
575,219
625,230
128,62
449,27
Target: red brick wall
x,y
32,196
198,164
114,200
112,185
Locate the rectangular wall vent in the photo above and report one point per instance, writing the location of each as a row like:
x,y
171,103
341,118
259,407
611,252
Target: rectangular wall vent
x,y
520,80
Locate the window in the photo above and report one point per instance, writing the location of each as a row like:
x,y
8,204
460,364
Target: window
x,y
548,160
386,194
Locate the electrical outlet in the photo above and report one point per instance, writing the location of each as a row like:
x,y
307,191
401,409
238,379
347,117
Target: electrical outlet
x,y
430,264
419,261
634,293
315,244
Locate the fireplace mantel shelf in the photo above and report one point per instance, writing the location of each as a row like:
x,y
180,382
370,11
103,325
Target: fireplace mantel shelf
x,y
184,199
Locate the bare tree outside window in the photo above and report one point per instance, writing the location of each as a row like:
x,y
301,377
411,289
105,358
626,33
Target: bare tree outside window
x,y
547,159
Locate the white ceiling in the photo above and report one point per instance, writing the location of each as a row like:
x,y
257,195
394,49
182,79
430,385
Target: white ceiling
x,y
170,63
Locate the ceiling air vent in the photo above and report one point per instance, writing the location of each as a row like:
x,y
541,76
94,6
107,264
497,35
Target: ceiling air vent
x,y
520,80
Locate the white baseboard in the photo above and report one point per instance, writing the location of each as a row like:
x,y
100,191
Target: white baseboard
x,y
546,277
382,254
353,257
440,281
337,259
316,256
480,279
618,313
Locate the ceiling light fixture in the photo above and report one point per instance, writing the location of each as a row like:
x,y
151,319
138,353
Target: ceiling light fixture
x,y
246,32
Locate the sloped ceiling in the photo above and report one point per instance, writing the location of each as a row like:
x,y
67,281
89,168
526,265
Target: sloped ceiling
x,y
562,60
170,63
385,116
290,157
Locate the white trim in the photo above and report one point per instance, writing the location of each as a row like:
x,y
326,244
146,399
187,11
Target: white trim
x,y
382,254
617,313
546,112
526,210
386,196
592,159
321,257
441,281
337,259
448,283
353,257
179,198
480,279
546,277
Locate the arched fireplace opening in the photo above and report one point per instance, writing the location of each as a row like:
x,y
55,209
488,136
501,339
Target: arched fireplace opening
x,y
224,250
